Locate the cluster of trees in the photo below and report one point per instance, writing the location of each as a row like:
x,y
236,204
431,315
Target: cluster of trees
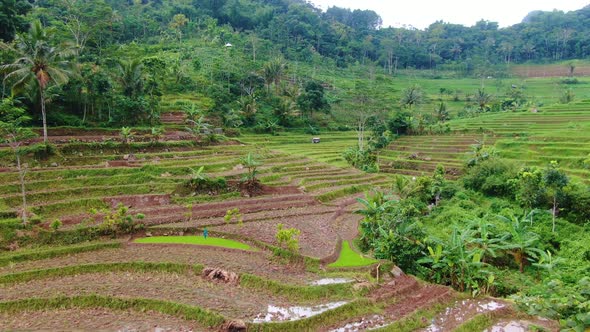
x,y
92,82
300,30
497,224
63,63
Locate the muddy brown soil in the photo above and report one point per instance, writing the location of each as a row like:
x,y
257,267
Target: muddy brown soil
x,y
259,263
403,296
228,300
95,320
317,239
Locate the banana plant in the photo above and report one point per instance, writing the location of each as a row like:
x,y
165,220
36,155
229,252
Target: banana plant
x,y
521,242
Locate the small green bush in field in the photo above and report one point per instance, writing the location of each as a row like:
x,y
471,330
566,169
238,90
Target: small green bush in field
x,y
234,214
55,225
288,238
201,183
119,221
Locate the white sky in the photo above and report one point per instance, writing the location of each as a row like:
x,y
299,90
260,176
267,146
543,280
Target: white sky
x,y
421,13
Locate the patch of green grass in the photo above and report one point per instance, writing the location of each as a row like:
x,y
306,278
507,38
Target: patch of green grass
x,y
350,258
197,240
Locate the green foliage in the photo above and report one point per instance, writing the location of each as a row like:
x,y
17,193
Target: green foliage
x,y
441,113
365,160
522,243
118,221
491,176
127,134
234,214
454,263
55,225
251,163
39,63
559,300
288,238
412,97
312,99
12,18
201,183
567,96
554,181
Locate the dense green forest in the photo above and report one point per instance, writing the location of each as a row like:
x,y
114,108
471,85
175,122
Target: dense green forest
x,y
121,60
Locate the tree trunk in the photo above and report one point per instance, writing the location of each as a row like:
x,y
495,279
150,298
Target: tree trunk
x,y
21,177
44,115
554,211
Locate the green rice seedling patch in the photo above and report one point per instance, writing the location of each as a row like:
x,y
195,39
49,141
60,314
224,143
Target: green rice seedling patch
x,y
196,240
350,258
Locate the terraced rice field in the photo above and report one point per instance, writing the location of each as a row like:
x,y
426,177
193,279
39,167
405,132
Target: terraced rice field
x,y
559,132
117,284
328,151
420,155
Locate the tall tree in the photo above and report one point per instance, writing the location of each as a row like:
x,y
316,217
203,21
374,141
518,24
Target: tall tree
x,y
130,76
273,71
12,132
554,181
178,22
38,62
313,99
412,96
12,19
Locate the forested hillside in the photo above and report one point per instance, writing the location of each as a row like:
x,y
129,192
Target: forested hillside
x,y
247,63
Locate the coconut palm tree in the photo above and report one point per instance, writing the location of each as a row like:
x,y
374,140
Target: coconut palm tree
x,y
483,100
130,76
273,72
38,64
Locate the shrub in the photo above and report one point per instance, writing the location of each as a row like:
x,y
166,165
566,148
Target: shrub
x,y
118,222
55,225
492,177
233,214
201,183
288,238
364,160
